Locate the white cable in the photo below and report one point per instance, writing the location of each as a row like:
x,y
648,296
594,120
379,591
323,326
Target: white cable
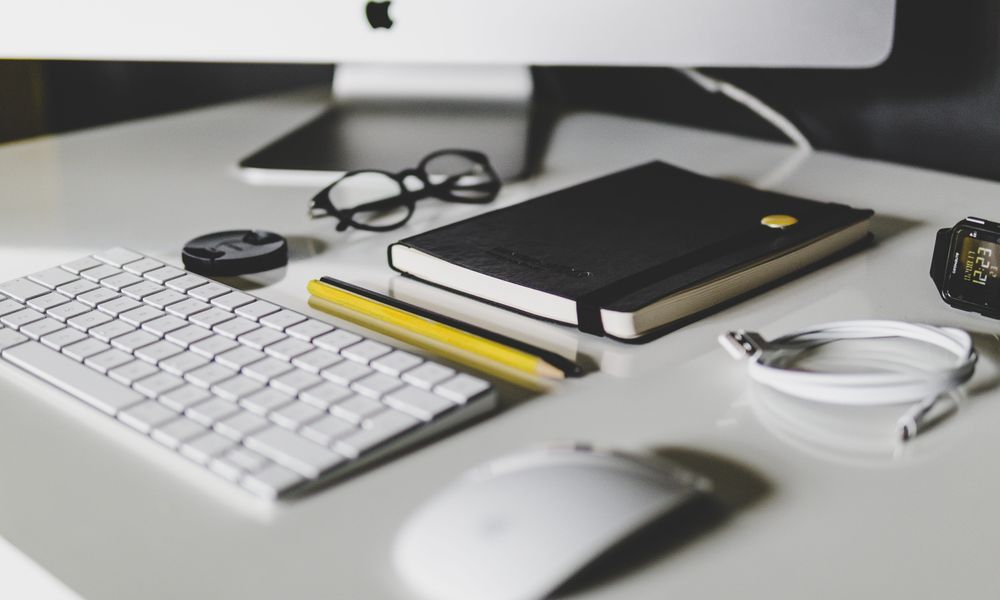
x,y
755,104
897,382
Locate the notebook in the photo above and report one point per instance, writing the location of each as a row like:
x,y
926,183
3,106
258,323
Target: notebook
x,y
629,254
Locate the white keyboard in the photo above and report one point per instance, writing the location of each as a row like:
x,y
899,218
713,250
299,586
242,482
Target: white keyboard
x,y
267,398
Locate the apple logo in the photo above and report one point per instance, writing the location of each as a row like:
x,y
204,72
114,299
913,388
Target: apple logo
x,y
378,14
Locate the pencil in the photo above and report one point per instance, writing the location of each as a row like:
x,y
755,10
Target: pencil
x,y
452,332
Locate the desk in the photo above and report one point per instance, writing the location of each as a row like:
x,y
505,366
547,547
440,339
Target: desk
x,y
805,518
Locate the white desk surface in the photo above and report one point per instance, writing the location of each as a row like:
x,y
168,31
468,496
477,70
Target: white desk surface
x,y
805,511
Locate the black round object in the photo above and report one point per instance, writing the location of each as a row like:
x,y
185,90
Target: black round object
x,y
235,253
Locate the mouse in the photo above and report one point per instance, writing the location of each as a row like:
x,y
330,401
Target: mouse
x,y
519,526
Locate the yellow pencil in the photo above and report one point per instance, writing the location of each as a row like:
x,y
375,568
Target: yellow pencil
x,y
451,336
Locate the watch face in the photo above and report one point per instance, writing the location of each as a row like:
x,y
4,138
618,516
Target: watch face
x,y
972,270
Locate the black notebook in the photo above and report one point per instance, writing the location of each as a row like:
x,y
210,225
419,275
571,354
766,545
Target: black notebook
x,y
630,253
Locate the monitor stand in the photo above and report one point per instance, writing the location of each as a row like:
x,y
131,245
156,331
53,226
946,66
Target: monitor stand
x,y
389,117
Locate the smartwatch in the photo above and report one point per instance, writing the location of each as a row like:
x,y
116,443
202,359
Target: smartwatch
x,y
965,266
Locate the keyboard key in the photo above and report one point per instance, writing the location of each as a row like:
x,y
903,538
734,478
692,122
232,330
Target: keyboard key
x,y
346,372
379,429
261,338
75,288
325,394
141,290
209,375
232,300
111,330
461,388
130,342
237,387
146,415
203,448
158,351
257,309
18,319
117,256
131,372
366,351
164,325
234,328
188,307
53,278
395,363
356,409
282,319
287,449
264,401
118,306
376,385
98,273
10,338
213,346
183,397
65,312
418,403
428,375
97,296
8,306
78,266
23,289
296,381
120,281
61,339
211,411
288,349
239,357
72,377
158,384
316,361
211,317
296,414
89,320
85,349
164,299
41,328
248,460
270,481
163,274
337,340
189,335
185,282
107,360
225,468
142,266
327,429
309,330
267,369
138,316
44,303
176,432
208,291
182,363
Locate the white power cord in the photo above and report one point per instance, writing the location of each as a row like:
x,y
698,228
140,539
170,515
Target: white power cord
x,y
755,104
901,382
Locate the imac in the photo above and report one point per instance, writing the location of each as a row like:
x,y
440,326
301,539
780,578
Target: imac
x,y
414,76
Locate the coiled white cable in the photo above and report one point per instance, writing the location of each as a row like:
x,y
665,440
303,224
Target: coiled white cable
x,y
902,383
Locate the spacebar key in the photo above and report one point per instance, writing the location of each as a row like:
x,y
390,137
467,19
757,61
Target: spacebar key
x,y
72,377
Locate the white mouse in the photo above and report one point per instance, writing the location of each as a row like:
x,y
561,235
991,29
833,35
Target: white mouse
x,y
518,527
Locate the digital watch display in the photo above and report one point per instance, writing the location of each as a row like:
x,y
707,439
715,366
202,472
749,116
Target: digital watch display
x,y
966,266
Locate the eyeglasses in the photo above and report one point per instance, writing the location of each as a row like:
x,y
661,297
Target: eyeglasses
x,y
376,200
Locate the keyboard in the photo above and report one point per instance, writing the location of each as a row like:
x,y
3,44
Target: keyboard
x,y
269,399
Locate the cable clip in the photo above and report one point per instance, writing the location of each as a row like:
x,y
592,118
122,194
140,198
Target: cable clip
x,y
742,344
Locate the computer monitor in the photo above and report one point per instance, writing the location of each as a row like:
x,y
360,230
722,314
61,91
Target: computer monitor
x,y
416,75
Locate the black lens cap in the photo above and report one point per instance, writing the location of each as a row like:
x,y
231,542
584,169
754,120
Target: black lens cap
x,y
239,252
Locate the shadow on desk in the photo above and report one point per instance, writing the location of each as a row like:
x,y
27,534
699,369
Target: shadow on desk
x,y
736,488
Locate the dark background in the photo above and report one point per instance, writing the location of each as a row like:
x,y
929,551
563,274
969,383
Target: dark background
x,y
934,103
